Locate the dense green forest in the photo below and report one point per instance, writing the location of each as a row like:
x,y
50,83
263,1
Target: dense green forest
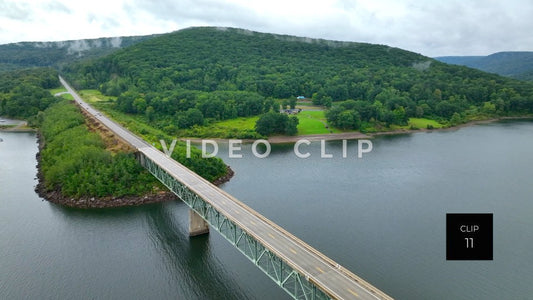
x,y
518,65
23,55
76,162
199,75
23,93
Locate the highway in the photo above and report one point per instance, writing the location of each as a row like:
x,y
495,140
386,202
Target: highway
x,y
329,276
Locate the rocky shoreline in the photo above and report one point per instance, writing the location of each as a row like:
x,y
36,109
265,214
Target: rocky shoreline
x,y
225,178
55,196
104,202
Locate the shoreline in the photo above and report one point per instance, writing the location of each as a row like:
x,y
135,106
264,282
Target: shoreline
x,y
89,202
17,129
355,135
15,126
163,196
452,128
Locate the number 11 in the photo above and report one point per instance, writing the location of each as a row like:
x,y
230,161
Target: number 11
x,y
469,242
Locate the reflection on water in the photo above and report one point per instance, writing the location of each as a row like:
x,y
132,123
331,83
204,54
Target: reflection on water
x,y
53,252
189,260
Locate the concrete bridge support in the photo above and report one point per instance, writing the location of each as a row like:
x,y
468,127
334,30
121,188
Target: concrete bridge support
x,y
197,224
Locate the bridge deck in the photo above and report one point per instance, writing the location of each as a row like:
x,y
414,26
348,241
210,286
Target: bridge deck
x,y
333,279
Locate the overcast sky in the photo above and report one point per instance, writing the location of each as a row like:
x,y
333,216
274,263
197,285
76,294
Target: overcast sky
x,y
432,28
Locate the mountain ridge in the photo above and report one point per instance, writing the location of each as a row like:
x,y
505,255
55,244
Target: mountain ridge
x,y
196,75
514,64
14,56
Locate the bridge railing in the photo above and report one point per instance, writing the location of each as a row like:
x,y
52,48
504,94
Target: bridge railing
x,y
294,283
283,271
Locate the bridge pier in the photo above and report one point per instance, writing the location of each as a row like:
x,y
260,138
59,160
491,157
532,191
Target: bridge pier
x,y
197,224
140,158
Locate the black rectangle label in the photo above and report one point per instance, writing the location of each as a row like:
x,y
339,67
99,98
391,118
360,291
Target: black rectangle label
x,y
469,237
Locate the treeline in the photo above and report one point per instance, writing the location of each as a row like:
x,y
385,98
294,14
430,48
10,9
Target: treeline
x,y
201,70
76,162
23,93
176,109
359,114
392,107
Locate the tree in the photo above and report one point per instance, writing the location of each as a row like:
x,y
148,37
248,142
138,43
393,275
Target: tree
x,y
150,113
437,95
388,117
456,119
269,123
276,123
292,103
191,117
489,108
446,109
345,120
327,101
419,112
139,105
400,117
332,114
292,126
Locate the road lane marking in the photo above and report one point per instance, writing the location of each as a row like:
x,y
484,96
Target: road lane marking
x,y
252,222
353,293
320,270
293,251
272,236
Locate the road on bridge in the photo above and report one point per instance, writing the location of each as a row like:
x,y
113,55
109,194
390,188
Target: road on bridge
x,y
329,276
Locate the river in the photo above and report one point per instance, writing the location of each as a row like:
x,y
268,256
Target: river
x,y
382,216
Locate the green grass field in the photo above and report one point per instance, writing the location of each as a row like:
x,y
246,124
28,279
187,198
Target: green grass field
x,y
313,122
94,96
310,122
58,90
423,123
418,123
241,123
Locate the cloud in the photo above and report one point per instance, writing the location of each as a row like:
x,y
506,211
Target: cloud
x,y
57,7
448,27
199,12
470,27
115,42
14,10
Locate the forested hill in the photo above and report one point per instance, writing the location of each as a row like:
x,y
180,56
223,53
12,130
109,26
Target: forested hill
x,y
55,54
227,59
517,65
222,73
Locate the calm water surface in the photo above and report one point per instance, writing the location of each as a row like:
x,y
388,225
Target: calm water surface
x,y
382,216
